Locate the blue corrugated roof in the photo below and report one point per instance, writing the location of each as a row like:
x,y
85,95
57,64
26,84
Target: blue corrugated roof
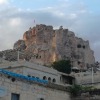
x,y
23,76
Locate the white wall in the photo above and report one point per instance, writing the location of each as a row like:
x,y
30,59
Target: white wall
x,y
29,91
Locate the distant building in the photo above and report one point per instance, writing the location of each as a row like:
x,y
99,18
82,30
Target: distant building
x,y
90,77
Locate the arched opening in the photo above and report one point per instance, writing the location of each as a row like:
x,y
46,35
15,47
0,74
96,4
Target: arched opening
x,y
9,76
41,98
49,79
40,57
83,46
79,46
33,76
54,80
29,75
44,77
78,62
13,79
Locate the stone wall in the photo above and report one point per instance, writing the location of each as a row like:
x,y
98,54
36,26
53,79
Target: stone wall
x,y
29,91
87,98
86,79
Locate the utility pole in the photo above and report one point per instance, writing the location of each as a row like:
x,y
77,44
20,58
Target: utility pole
x,y
92,76
18,56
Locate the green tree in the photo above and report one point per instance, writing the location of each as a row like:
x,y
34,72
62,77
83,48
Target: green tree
x,y
62,66
75,89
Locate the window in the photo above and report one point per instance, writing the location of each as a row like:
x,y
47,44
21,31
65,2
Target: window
x,y
83,46
15,96
44,78
40,56
36,56
78,62
9,76
13,79
60,78
54,80
29,75
49,79
33,76
41,99
78,46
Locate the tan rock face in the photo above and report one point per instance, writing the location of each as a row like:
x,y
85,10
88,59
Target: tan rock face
x,y
44,45
52,45
20,45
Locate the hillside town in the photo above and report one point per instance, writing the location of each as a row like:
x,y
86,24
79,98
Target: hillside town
x,y
26,71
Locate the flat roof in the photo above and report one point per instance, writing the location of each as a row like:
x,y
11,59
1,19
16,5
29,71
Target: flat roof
x,y
19,64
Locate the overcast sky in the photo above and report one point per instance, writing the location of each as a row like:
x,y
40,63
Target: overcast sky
x,y
79,16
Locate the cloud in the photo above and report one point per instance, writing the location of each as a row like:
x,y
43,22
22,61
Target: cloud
x,y
15,22
73,16
2,2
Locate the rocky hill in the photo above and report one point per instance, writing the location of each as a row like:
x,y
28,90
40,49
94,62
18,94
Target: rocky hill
x,y
42,44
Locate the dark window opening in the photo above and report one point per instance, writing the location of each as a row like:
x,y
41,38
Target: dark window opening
x,y
49,79
40,56
9,76
13,79
78,62
83,46
78,46
41,98
33,76
68,79
36,56
28,75
54,80
15,96
44,78
60,78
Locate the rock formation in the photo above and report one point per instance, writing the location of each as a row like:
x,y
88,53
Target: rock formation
x,y
44,45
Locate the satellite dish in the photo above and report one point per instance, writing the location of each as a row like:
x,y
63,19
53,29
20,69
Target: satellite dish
x,y
3,91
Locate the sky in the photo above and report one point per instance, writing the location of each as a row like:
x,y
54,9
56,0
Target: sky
x,y
79,16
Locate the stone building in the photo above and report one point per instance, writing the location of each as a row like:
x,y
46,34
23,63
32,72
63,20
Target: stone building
x,y
88,78
23,80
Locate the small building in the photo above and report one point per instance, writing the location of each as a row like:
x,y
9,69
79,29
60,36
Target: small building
x,y
22,80
88,78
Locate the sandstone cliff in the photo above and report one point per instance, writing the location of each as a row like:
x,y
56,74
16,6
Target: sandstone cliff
x,y
44,45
